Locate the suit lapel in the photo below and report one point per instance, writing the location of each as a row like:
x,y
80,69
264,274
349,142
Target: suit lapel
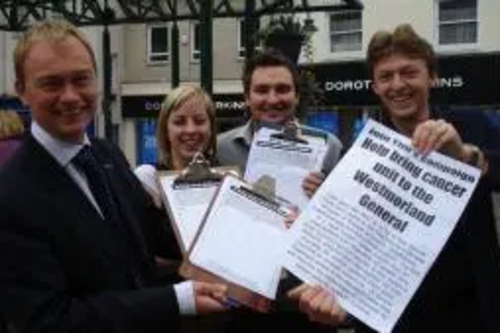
x,y
55,179
86,222
114,173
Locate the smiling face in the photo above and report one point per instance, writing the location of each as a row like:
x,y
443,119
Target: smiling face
x,y
403,85
60,87
272,96
189,130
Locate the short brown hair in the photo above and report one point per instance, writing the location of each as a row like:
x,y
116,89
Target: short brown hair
x,y
404,40
11,125
175,99
269,58
50,30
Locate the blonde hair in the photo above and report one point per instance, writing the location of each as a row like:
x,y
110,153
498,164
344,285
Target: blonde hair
x,y
404,40
175,99
11,124
50,30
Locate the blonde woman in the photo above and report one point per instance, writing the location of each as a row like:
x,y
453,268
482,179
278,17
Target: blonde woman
x,y
186,125
11,131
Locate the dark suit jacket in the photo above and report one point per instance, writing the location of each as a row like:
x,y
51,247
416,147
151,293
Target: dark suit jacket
x,y
64,268
461,292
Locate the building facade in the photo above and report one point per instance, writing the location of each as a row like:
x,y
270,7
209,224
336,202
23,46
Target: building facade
x,y
146,74
464,33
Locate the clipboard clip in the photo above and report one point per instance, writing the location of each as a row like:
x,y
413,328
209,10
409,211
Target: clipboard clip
x,y
198,171
265,187
290,133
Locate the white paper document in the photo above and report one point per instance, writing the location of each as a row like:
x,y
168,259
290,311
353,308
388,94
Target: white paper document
x,y
376,225
187,204
242,239
286,161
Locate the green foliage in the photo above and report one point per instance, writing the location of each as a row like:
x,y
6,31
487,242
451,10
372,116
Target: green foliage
x,y
312,96
286,26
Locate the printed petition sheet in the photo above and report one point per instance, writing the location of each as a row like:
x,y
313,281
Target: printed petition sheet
x,y
286,161
376,225
242,239
187,204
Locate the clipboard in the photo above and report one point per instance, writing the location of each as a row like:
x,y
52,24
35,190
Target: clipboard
x,y
271,150
187,194
237,256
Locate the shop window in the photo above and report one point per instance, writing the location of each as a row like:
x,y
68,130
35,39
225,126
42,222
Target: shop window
x,y
158,44
195,41
457,21
325,120
346,32
147,147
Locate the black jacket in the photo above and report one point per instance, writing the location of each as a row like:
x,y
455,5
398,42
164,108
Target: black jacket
x,y
461,292
64,268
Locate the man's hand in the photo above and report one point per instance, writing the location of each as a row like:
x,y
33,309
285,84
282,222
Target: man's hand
x,y
438,135
312,182
442,136
292,216
319,304
209,297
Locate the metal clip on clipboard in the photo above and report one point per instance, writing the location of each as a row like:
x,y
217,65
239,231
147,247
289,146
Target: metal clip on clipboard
x,y
265,187
198,171
262,191
290,133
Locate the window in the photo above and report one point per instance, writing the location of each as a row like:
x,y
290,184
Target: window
x,y
158,44
242,39
457,22
195,41
345,31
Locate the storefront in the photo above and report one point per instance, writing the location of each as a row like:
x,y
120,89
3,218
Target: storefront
x,y
230,112
469,81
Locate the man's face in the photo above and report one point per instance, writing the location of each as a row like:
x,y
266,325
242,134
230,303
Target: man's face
x,y
272,96
403,86
60,87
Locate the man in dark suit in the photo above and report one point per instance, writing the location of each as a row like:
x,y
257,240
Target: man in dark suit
x,y
461,292
73,257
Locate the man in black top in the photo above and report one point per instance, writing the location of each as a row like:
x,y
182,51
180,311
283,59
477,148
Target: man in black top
x,y
461,292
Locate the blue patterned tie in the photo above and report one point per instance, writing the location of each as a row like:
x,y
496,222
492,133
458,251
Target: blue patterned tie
x,y
96,180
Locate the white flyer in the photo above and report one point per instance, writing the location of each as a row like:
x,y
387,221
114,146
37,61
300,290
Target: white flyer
x,y
379,221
